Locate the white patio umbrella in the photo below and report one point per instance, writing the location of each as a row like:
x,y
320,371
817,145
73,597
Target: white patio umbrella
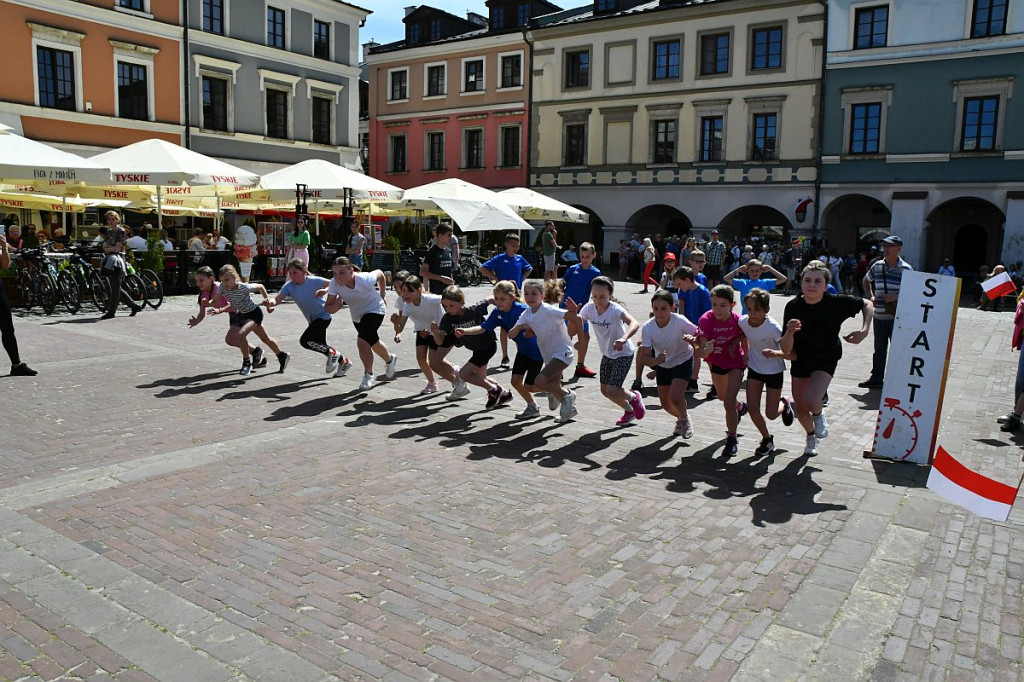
x,y
26,161
325,181
532,205
422,198
480,216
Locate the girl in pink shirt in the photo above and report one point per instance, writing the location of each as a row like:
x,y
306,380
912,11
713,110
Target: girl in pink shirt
x,y
720,325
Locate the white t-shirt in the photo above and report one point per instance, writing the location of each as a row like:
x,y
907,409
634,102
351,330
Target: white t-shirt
x,y
548,324
167,244
363,298
137,243
429,310
670,339
220,244
765,335
608,328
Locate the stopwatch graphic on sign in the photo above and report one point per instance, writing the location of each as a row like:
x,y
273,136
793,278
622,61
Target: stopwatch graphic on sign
x,y
896,422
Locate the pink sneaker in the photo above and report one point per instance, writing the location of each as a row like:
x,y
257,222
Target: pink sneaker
x,y
637,403
626,418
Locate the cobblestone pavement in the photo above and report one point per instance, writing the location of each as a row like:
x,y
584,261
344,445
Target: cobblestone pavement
x,y
165,518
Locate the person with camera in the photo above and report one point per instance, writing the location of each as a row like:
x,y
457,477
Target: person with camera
x,y
882,286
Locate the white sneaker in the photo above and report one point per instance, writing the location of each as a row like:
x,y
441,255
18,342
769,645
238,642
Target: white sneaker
x,y
389,368
367,382
687,431
343,367
812,445
568,409
431,387
531,412
460,390
552,402
820,425
332,362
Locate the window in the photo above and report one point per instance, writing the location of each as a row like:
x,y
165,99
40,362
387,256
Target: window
x,y
989,18
714,54
56,78
498,17
275,27
414,34
435,151
870,26
981,117
664,136
277,113
473,71
666,60
215,103
132,91
764,137
511,137
524,14
137,5
575,144
322,115
399,85
711,135
435,29
213,16
766,48
606,5
436,80
473,148
512,71
396,154
321,39
865,128
577,69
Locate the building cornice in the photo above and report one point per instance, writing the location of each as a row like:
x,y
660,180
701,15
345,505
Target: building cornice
x,y
107,16
199,39
449,48
901,54
506,106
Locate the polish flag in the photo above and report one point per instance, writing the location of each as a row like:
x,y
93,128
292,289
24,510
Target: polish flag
x,y
997,286
983,496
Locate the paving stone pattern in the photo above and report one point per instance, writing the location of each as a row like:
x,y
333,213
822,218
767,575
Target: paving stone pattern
x,y
167,519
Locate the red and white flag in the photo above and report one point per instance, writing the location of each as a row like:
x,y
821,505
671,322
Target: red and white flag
x,y
999,285
981,495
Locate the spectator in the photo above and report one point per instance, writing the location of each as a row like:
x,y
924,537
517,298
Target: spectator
x,y
137,242
569,256
623,259
947,269
356,245
165,240
195,244
882,285
715,255
218,242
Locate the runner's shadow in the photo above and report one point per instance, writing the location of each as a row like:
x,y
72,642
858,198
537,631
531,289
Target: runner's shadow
x,y
788,492
274,394
645,459
199,388
185,381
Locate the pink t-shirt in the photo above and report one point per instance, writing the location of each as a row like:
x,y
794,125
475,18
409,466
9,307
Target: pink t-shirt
x,y
726,335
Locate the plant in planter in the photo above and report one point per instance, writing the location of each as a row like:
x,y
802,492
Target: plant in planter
x,y
153,258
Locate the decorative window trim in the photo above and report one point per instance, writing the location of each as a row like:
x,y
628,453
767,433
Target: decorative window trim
x,y
144,56
750,47
290,121
607,60
285,81
58,39
652,42
229,94
1001,87
391,72
522,70
869,95
700,50
216,67
324,88
483,76
145,12
426,80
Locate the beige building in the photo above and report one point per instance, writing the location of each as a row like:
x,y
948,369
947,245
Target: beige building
x,y
671,117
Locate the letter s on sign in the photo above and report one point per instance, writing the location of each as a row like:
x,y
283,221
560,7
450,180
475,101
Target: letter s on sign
x,y
929,287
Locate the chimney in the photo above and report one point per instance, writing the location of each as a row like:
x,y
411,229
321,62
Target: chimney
x,y
410,10
369,46
477,19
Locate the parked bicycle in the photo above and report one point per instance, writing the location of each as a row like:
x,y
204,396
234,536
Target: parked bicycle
x,y
90,284
34,283
467,273
149,281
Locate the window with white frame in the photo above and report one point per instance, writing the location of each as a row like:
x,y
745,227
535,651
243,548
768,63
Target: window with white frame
x,y
57,68
864,119
711,130
436,80
473,75
398,85
981,113
511,70
323,119
435,150
473,148
279,92
988,18
511,146
870,27
397,161
133,74
321,39
134,5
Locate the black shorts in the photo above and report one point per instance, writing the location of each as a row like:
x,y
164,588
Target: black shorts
x,y
368,326
615,370
803,368
769,380
713,272
666,375
426,340
721,371
526,366
240,319
482,356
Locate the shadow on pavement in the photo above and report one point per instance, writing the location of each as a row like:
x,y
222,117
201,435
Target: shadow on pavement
x,y
903,474
273,394
789,492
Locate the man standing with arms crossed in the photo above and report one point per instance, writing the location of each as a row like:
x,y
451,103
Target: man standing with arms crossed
x,y
882,285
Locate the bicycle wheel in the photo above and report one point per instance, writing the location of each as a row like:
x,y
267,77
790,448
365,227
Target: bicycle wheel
x,y
99,291
473,276
46,291
69,292
26,288
154,288
136,289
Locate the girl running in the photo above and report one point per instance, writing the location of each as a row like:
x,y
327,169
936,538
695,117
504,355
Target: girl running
x,y
245,317
547,322
364,292
669,344
816,319
306,290
424,309
613,326
765,369
721,326
448,332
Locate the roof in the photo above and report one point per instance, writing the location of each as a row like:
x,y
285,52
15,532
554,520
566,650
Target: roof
x,y
586,12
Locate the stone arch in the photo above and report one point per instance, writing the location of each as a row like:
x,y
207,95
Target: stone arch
x,y
973,227
588,232
763,222
659,219
855,222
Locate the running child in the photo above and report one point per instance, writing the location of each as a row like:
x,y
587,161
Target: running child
x,y
364,292
245,316
576,285
448,333
613,327
508,266
306,290
693,300
669,344
721,326
209,290
424,309
528,363
765,367
547,322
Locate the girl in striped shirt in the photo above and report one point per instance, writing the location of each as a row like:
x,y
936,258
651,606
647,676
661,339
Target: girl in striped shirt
x,y
245,317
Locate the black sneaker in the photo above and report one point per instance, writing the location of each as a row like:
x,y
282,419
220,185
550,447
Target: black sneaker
x,y
712,393
493,396
504,361
1011,425
23,370
283,358
135,311
246,367
741,410
871,383
638,385
999,420
787,412
767,445
257,357
731,447
692,387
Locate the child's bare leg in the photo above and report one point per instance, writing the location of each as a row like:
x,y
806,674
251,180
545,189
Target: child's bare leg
x,y
550,379
261,332
421,360
436,359
754,388
617,395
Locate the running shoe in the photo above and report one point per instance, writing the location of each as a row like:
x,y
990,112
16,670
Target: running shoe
x,y
22,370
246,367
1007,417
367,382
283,359
812,445
731,446
1011,425
568,408
431,387
343,367
584,371
531,412
680,425
389,368
692,387
767,445
627,418
257,356
637,404
637,385
493,396
687,428
505,398
741,409
461,390
504,361
261,363
820,425
552,402
787,412
712,393
332,362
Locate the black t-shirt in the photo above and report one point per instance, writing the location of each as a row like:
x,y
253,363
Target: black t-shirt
x,y
818,337
439,262
472,316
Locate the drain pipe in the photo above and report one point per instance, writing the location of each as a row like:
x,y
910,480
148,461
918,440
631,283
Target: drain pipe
x,y
185,75
815,227
528,157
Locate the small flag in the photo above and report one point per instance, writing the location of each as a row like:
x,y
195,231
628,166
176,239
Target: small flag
x,y
981,495
999,285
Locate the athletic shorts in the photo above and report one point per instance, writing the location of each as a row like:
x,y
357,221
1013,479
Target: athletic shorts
x,y
549,263
426,340
664,376
615,370
482,356
803,368
528,367
769,380
722,371
565,356
368,326
240,319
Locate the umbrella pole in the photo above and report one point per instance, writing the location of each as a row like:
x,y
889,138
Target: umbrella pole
x,y
159,205
64,214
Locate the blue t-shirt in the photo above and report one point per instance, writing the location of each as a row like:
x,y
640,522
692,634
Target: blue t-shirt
x,y
512,268
744,285
701,279
577,283
508,320
305,297
694,303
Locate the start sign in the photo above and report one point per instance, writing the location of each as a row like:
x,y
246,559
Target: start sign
x,y
915,376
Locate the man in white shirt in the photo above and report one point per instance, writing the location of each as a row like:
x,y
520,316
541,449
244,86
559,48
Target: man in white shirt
x,y
220,243
137,242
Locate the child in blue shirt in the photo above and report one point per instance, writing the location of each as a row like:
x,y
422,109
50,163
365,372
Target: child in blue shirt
x,y
752,276
508,266
576,285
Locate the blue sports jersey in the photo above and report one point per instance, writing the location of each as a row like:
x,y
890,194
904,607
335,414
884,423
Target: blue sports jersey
x,y
743,285
512,268
694,303
577,283
506,321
